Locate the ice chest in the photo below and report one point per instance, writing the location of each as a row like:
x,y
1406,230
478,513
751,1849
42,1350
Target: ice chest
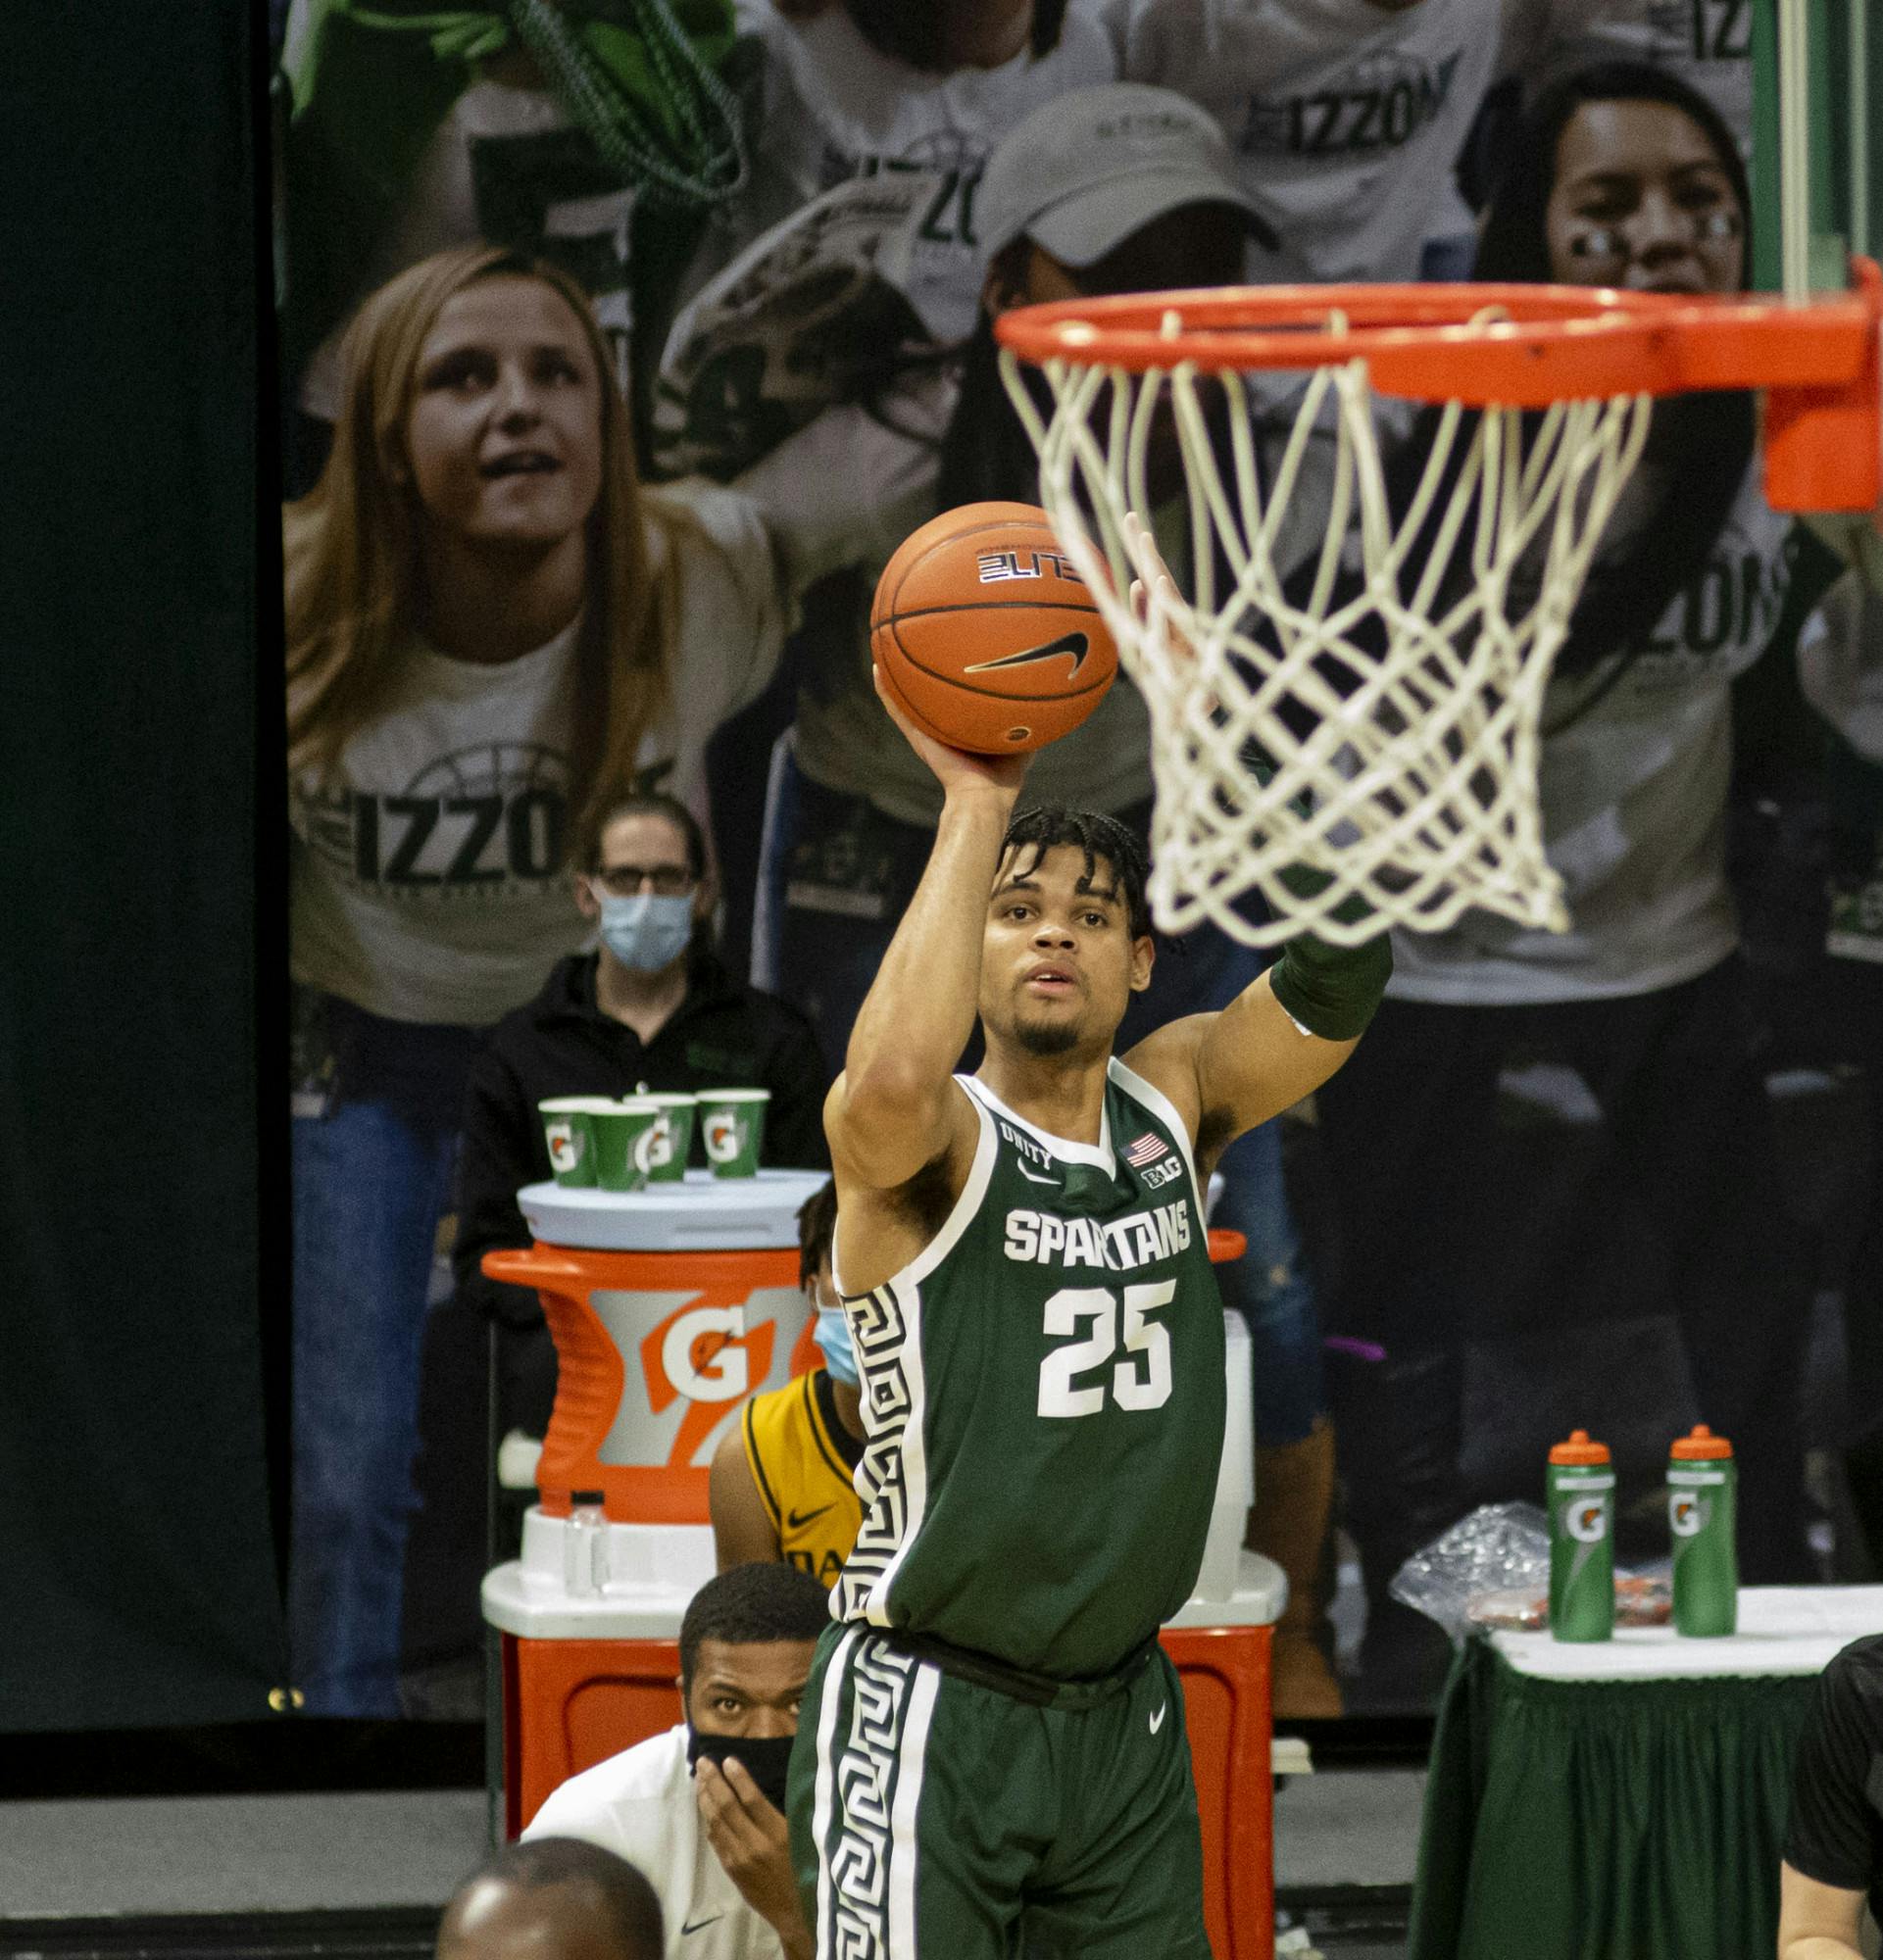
x,y
668,1307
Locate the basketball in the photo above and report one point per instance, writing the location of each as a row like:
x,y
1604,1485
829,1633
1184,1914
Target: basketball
x,y
987,637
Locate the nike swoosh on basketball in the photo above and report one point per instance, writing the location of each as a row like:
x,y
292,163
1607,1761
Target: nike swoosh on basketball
x,y
1156,1720
797,1520
1076,644
1024,1172
700,1923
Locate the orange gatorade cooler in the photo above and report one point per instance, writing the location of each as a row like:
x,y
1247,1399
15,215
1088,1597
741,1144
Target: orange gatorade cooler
x,y
669,1307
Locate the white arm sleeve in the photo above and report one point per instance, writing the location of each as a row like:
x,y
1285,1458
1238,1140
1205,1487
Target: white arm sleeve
x,y
851,485
735,606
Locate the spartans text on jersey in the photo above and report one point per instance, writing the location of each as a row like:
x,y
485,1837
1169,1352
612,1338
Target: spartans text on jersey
x,y
1115,1246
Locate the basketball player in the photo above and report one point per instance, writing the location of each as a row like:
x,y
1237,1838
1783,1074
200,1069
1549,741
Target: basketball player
x,y
992,1753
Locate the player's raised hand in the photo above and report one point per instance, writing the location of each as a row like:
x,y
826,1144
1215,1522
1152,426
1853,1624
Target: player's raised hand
x,y
955,768
1153,575
1153,586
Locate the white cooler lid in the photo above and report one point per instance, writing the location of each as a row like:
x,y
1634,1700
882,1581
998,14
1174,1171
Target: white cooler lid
x,y
702,1213
654,1570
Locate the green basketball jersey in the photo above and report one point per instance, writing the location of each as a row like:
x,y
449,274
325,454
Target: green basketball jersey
x,y
1043,1395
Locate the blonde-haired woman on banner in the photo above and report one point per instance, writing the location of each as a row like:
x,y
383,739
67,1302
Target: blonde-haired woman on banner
x,y
490,626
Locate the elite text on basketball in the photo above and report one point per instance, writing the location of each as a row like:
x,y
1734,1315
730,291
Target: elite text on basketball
x,y
995,566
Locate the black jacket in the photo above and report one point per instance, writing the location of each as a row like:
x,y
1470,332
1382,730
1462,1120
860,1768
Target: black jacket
x,y
723,1035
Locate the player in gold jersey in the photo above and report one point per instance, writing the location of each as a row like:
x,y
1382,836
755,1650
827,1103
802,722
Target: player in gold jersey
x,y
782,1483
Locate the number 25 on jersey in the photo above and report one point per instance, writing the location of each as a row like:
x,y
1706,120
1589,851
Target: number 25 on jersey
x,y
1141,1381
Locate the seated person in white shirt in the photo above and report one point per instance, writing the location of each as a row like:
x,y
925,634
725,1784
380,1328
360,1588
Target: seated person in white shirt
x,y
552,1899
701,1809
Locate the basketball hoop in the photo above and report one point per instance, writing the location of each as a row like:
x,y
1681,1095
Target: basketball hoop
x,y
1367,721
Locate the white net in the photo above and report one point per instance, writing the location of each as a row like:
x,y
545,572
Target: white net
x,y
1350,729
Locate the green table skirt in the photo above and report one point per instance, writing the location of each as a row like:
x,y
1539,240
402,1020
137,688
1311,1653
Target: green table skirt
x,y
1631,1820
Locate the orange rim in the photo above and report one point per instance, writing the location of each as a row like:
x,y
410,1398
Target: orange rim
x,y
1555,343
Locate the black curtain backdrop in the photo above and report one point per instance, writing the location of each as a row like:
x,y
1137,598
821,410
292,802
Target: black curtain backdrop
x,y
141,1186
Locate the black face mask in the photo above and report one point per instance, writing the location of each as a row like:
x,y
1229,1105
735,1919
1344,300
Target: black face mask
x,y
764,1758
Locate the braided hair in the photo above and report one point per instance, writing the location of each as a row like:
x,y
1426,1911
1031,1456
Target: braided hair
x,y
1044,826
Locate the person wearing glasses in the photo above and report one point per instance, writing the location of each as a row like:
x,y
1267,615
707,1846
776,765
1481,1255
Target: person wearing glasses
x,y
650,1007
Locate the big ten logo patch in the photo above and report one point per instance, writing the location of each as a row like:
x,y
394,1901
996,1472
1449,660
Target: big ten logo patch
x,y
690,1358
997,567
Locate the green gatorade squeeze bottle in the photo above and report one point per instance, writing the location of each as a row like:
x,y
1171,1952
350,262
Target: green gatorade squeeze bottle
x,y
1582,1544
1702,1505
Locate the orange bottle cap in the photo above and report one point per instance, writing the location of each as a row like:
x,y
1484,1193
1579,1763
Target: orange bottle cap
x,y
1579,1449
1699,1445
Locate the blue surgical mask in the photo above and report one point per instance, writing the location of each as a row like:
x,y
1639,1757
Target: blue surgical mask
x,y
647,931
833,1337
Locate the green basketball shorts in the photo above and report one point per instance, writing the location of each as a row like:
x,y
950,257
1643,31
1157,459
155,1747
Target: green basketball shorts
x,y
936,1818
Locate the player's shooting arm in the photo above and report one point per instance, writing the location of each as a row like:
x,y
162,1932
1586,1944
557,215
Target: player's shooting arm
x,y
1287,1032
1277,1040
894,1109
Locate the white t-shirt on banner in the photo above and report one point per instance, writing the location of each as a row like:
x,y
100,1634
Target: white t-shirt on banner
x,y
640,1806
1634,803
1706,43
836,108
429,882
1346,118
1840,662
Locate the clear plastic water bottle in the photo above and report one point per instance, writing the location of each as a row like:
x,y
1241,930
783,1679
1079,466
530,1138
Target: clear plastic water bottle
x,y
585,1547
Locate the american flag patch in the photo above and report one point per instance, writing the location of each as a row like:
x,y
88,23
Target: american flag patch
x,y
1145,1150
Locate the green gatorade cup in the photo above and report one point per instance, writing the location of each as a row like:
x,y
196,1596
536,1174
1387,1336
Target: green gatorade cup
x,y
1582,1560
732,1124
1702,1518
625,1135
675,1130
570,1135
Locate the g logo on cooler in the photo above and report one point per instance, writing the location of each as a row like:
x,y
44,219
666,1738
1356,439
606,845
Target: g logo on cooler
x,y
726,1375
721,1132
1586,1519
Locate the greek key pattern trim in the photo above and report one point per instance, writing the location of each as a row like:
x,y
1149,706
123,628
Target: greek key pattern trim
x,y
881,1335
879,1683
